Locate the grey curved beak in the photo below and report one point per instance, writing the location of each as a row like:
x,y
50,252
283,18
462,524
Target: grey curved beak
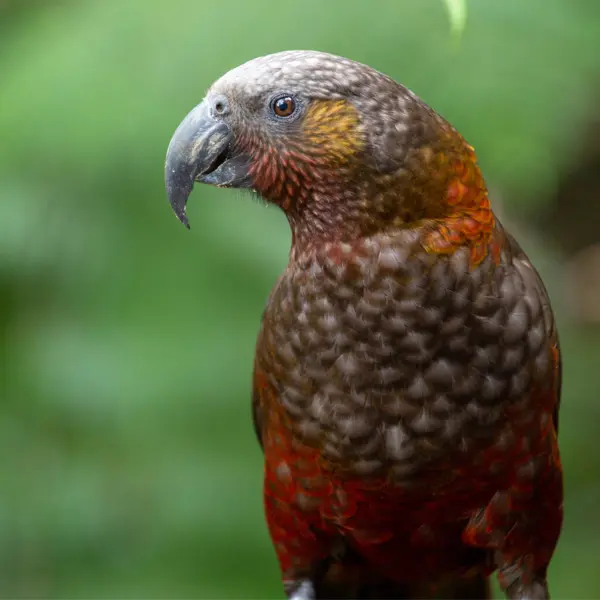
x,y
201,149
194,149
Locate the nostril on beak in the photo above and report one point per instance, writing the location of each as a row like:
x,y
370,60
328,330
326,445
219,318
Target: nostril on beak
x,y
220,106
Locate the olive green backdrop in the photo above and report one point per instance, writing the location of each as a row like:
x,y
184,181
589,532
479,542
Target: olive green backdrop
x,y
128,464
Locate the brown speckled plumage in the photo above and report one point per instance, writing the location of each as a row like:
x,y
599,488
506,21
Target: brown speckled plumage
x,y
407,373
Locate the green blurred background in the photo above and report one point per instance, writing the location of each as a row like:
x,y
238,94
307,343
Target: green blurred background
x,y
129,467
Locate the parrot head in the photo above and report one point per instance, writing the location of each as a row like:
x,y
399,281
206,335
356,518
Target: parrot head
x,y
343,149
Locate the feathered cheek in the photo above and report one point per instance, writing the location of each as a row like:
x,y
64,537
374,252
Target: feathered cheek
x,y
280,174
329,141
332,132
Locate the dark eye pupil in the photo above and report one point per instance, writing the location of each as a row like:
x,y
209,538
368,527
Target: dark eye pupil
x,y
284,107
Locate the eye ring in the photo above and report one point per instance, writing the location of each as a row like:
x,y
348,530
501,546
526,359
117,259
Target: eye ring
x,y
284,106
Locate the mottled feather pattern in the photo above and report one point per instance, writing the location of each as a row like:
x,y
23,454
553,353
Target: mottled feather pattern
x,y
390,377
331,129
470,220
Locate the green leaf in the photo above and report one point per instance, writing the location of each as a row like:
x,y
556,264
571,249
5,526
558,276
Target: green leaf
x,y
457,13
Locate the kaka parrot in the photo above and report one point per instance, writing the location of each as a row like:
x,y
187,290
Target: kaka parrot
x,y
407,372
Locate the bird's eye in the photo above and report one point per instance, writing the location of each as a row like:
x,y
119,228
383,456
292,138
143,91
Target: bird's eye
x,y
284,106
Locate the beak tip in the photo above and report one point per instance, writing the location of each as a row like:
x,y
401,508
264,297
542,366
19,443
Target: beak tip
x,y
177,194
182,218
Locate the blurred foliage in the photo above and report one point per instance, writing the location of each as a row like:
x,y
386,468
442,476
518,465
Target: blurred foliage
x,y
130,467
457,11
